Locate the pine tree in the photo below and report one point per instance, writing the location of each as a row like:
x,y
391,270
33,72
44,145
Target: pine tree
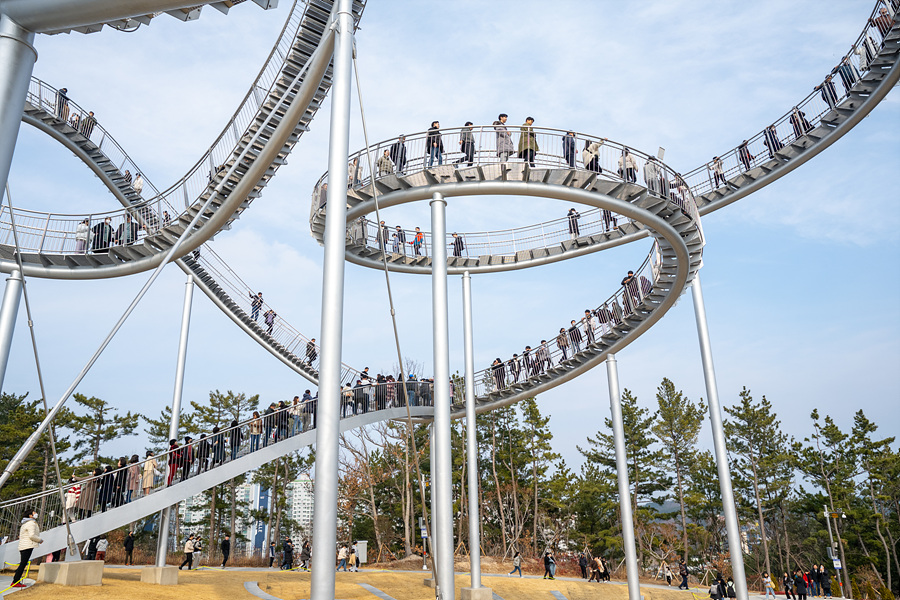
x,y
677,429
18,418
759,451
157,430
647,478
537,445
101,424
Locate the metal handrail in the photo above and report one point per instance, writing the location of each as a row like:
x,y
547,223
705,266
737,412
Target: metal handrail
x,y
226,445
814,108
659,179
623,303
282,332
231,143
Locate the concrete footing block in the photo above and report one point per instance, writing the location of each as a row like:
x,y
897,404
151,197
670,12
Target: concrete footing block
x,y
429,582
80,572
481,593
160,575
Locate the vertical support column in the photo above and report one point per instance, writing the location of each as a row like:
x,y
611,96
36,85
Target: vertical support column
x,y
475,592
443,475
165,516
435,548
615,405
715,418
9,310
17,58
328,408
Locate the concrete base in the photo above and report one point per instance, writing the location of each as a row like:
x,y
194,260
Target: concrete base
x,y
160,575
79,572
481,593
429,582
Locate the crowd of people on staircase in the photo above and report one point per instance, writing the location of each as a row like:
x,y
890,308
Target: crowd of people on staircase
x,y
796,125
580,336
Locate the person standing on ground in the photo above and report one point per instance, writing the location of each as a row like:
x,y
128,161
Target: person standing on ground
x,y
271,554
683,572
583,564
129,548
434,144
305,555
517,565
287,555
768,584
353,559
29,539
102,545
788,584
528,145
799,585
825,582
225,546
668,574
188,553
504,138
342,559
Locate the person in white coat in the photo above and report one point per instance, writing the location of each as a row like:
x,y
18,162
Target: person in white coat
x,y
82,236
29,539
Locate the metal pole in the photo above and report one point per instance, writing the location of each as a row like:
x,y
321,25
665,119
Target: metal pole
x,y
17,58
9,310
615,405
165,516
471,436
443,460
435,547
328,409
715,418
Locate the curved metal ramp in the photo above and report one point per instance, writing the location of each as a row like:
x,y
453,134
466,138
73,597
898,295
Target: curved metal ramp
x,y
256,141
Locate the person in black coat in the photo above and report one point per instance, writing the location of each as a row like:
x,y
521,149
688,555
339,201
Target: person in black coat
x,y
582,559
107,487
434,144
203,452
103,236
799,585
569,153
129,548
398,154
235,438
573,217
218,446
226,549
287,554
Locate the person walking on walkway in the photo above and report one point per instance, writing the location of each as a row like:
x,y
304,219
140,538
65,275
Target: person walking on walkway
x,y
568,148
311,354
256,303
770,586
29,539
188,553
225,546
435,144
271,554
517,565
398,154
683,572
342,559
467,144
573,216
504,139
528,145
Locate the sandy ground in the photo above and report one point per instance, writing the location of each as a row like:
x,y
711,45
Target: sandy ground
x,y
120,583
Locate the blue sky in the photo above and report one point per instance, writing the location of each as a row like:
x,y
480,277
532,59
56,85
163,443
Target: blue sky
x,y
800,279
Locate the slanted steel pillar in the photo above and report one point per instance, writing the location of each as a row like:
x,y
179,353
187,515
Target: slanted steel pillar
x,y
165,516
618,425
715,418
329,405
9,310
443,460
